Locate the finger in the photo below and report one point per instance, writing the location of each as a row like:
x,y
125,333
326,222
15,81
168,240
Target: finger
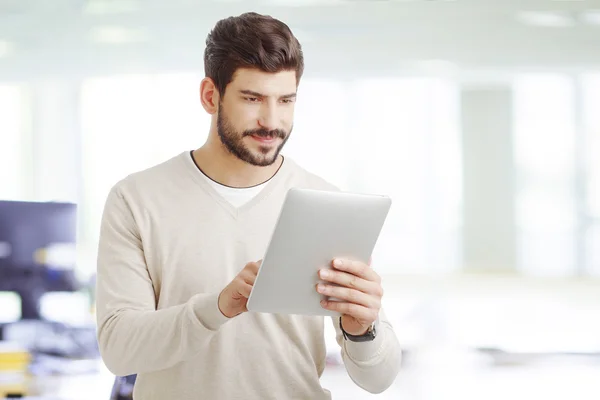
x,y
361,313
248,277
245,290
357,268
253,266
350,281
248,274
349,295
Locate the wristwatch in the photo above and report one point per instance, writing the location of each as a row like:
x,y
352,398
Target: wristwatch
x,y
366,337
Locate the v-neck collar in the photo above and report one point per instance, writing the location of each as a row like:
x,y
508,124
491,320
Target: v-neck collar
x,y
234,211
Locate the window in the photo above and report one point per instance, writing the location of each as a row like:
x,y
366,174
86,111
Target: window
x,y
15,179
394,136
319,140
545,132
591,101
397,137
406,143
130,123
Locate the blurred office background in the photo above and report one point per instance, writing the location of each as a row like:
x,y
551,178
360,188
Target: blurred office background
x,y
481,118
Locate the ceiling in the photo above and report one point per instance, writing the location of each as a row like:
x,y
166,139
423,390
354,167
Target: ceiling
x,y
76,38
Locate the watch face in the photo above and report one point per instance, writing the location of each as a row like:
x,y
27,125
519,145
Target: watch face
x,y
371,332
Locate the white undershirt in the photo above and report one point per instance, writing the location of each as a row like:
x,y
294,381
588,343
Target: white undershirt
x,y
236,196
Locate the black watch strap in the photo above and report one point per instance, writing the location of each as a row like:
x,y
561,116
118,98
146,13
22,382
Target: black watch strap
x,y
367,337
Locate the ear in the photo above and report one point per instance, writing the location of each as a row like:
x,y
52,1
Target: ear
x,y
209,96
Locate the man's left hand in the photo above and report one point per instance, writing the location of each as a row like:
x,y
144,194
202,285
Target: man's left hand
x,y
359,293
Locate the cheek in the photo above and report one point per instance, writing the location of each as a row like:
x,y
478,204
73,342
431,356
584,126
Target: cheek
x,y
288,117
244,117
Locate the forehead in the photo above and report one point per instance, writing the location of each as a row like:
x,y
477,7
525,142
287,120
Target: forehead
x,y
267,83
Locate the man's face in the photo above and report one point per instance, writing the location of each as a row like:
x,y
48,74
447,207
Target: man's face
x,y
256,115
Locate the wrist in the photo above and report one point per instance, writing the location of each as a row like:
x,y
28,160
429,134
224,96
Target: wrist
x,y
360,335
362,332
359,332
223,309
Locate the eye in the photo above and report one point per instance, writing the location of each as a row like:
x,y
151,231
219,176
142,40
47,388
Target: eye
x,y
251,99
287,101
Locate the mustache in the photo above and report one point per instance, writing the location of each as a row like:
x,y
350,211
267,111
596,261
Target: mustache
x,y
270,134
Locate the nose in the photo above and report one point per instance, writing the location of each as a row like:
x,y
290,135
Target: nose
x,y
268,117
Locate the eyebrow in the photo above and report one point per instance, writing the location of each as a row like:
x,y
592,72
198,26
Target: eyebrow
x,y
256,94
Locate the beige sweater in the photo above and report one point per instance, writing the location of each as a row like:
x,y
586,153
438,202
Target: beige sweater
x,y
169,244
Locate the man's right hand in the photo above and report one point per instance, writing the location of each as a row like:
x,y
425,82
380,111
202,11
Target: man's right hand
x,y
233,299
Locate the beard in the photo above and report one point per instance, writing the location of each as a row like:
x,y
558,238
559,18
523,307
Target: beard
x,y
234,142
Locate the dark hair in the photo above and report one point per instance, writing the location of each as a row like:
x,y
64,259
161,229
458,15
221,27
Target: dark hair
x,y
250,40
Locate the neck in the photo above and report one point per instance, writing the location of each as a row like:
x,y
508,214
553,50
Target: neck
x,y
223,167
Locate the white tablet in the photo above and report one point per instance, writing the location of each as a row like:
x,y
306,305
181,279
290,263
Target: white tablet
x,y
313,228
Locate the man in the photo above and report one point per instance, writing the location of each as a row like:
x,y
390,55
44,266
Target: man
x,y
179,244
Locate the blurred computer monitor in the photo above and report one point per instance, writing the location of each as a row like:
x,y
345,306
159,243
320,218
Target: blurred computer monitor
x,y
37,250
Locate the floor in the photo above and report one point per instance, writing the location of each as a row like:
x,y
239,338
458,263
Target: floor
x,y
446,382
441,321
435,378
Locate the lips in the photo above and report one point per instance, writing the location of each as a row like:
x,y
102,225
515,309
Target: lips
x,y
264,134
264,139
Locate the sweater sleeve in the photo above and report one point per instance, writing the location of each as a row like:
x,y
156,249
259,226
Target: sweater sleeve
x,y
134,337
372,365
